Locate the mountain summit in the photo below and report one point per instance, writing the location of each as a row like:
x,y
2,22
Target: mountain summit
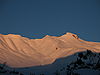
x,y
18,51
70,35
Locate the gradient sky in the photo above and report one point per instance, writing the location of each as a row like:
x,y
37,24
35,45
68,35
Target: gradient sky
x,y
37,18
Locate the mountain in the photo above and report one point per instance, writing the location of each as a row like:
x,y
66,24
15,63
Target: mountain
x,y
18,51
51,55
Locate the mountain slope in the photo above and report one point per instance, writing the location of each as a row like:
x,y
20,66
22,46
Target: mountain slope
x,y
80,63
18,51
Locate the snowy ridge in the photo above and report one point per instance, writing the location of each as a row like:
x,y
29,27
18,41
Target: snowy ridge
x,y
18,51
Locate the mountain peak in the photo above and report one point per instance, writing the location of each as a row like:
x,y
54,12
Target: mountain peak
x,y
48,36
70,35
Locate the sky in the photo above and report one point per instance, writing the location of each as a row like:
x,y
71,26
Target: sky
x,y
37,18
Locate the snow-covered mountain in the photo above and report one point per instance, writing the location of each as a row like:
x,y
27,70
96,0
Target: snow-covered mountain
x,y
51,55
18,51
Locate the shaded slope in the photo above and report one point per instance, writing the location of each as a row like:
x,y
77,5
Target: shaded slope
x,y
80,63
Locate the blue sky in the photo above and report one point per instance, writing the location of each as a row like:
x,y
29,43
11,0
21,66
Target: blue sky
x,y
37,18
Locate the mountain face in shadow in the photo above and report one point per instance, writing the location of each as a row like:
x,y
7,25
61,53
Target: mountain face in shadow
x,y
80,63
18,51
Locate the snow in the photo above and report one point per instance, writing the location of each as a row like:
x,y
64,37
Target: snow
x,y
20,51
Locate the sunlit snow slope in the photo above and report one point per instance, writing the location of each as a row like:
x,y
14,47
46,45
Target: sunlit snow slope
x,y
18,51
